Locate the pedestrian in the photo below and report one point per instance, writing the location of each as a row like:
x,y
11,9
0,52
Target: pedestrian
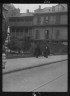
x,y
37,51
46,51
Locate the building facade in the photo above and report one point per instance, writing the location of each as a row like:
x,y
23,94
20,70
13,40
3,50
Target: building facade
x,y
21,26
51,25
44,24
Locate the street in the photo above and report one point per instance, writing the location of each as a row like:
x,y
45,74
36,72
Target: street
x,y
48,78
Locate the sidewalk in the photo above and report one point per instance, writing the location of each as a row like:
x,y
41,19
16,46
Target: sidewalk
x,y
13,65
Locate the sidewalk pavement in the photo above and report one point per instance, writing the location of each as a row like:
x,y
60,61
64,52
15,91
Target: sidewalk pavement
x,y
18,64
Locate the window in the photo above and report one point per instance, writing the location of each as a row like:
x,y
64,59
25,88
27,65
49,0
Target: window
x,y
21,29
64,19
53,8
37,34
27,19
17,32
46,34
26,30
57,34
42,20
38,20
13,19
30,32
57,19
18,29
16,19
13,29
46,19
10,29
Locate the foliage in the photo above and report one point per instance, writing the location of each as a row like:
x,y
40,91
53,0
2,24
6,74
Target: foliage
x,y
12,44
8,10
4,31
15,44
26,43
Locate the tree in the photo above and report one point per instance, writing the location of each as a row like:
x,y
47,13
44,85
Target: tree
x,y
26,43
12,44
4,30
15,44
7,10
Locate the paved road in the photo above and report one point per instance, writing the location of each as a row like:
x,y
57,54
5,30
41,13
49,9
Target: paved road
x,y
48,78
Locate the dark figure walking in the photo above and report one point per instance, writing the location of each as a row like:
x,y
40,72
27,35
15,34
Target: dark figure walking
x,y
46,52
37,51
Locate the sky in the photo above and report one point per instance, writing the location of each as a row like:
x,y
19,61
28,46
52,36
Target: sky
x,y
31,7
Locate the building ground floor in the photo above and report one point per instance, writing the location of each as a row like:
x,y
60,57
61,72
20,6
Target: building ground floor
x,y
51,33
40,33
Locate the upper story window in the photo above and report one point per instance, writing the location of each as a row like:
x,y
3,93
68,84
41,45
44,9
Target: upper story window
x,y
57,19
64,19
28,19
42,20
11,19
38,20
52,19
46,20
20,19
53,8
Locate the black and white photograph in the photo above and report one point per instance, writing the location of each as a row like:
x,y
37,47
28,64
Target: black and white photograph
x,y
34,48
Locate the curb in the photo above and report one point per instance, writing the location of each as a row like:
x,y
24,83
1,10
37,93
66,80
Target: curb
x,y
28,56
15,70
16,57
